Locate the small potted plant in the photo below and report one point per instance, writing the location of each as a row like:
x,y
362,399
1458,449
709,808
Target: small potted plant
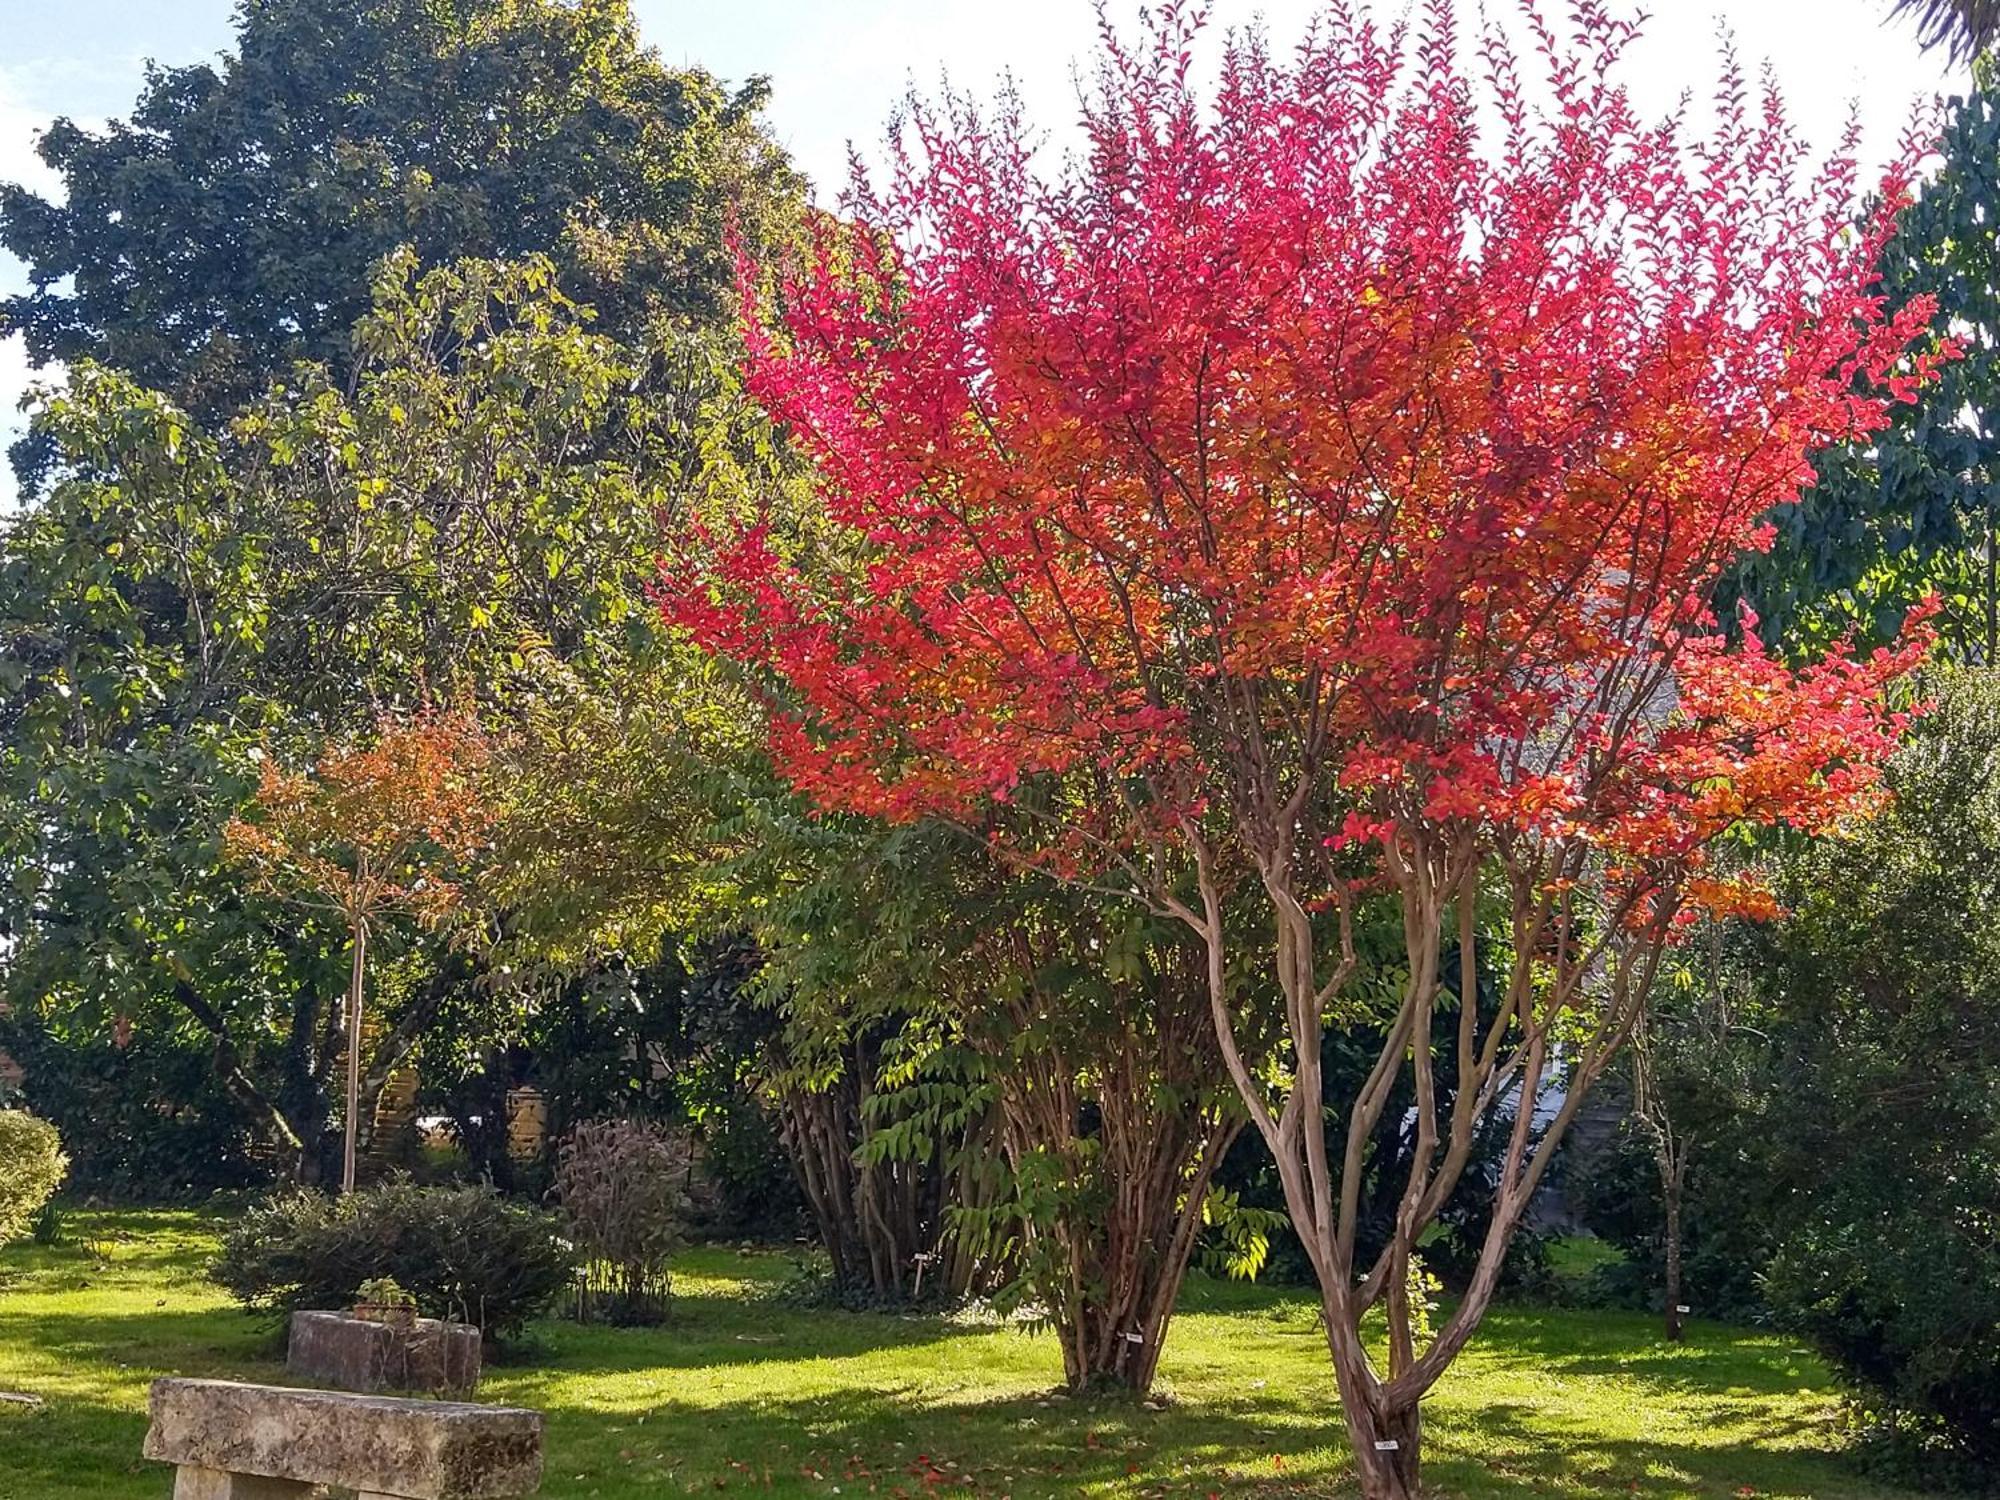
x,y
381,1299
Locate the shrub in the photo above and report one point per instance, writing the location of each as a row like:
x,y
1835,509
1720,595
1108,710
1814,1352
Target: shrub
x,y
1887,974
32,1164
1910,1316
622,1186
464,1253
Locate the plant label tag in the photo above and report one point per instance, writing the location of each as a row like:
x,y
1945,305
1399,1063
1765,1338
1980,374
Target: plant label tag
x,y
1683,1309
1135,1338
1387,1445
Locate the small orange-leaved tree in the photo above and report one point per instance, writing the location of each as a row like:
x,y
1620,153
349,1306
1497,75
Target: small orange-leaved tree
x,y
373,830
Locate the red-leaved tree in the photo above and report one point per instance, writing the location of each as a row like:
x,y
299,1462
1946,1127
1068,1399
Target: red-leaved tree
x,y
1311,496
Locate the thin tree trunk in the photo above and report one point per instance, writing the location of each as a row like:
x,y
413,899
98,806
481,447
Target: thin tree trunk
x,y
1672,1185
352,1123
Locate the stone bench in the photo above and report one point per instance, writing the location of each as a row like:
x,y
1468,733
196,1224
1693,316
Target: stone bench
x,y
268,1442
353,1354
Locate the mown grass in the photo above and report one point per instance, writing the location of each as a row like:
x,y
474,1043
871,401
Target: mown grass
x,y
742,1394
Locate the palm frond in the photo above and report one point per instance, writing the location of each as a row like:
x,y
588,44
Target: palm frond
x,y
1964,28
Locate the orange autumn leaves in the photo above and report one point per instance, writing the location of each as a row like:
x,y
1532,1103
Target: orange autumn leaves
x,y
394,824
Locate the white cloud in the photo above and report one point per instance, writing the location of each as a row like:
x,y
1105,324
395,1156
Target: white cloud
x,y
20,122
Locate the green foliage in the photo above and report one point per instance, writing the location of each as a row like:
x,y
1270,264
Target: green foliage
x,y
50,1224
148,1121
1729,1218
1906,1308
464,1253
1914,509
383,1291
1239,1238
680,1041
474,514
1697,1079
231,553
32,1165
233,224
1888,1241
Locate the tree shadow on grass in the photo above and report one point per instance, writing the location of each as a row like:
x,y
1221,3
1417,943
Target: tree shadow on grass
x,y
901,1440
1714,1359
710,1330
1505,1448
101,1356
74,1448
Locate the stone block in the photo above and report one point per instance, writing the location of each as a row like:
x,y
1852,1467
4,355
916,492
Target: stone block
x,y
381,1445
191,1483
354,1354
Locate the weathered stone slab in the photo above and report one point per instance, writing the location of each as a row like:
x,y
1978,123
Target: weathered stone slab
x,y
357,1355
384,1445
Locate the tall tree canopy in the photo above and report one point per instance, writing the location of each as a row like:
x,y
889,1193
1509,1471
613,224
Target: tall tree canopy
x,y
1319,491
232,225
1884,1198
471,508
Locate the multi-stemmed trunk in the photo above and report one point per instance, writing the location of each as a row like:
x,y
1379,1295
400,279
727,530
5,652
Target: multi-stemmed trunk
x,y
1510,1055
1121,1098
1122,1269
881,1222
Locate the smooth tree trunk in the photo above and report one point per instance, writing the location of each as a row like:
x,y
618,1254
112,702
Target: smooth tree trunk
x,y
1673,1175
351,1125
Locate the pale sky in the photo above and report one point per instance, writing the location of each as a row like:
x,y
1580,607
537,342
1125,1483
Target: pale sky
x,y
839,66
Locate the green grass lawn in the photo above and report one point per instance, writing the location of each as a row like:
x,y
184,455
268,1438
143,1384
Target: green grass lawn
x,y
740,1395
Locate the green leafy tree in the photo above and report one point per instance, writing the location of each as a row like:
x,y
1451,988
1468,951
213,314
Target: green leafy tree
x,y
232,225
1888,1240
1054,1058
1913,510
480,493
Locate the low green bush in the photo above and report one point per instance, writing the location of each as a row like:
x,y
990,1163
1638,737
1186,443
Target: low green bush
x,y
32,1165
464,1253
